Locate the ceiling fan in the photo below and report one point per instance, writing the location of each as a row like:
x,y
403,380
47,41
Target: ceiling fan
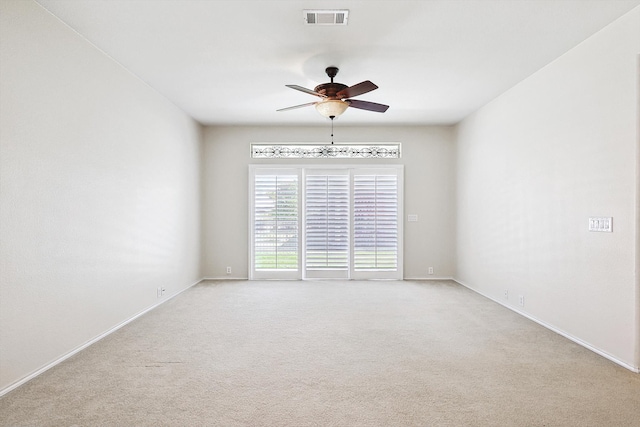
x,y
336,97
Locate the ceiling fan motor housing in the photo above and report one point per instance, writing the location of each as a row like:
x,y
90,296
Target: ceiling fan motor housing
x,y
330,89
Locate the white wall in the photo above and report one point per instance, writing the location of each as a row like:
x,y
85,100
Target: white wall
x,y
100,192
532,167
428,159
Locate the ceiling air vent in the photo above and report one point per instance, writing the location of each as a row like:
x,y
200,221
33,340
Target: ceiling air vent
x,y
326,17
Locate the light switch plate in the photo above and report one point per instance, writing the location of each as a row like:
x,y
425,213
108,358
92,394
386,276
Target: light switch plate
x,y
601,223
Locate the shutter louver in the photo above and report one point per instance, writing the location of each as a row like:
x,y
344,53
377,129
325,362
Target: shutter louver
x,y
327,222
375,222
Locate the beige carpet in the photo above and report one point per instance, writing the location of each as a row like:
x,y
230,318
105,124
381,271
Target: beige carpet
x,y
330,353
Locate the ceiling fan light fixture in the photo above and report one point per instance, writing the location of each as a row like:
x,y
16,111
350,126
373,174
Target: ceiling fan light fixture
x,y
331,107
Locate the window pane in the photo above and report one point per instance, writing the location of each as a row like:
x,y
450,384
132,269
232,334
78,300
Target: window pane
x,y
276,222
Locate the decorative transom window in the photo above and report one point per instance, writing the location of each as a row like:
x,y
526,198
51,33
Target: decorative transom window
x,y
329,151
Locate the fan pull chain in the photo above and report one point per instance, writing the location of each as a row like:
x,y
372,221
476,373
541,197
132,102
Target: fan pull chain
x,y
332,117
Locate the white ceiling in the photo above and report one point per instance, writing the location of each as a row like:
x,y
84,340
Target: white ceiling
x,y
435,61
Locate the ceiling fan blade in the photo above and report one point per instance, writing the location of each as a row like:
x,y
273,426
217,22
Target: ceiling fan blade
x,y
366,105
305,90
297,106
355,90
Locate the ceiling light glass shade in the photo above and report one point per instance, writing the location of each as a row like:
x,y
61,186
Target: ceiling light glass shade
x,y
331,107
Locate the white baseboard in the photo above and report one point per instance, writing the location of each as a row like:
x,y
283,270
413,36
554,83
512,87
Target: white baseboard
x,y
225,278
567,335
428,278
90,342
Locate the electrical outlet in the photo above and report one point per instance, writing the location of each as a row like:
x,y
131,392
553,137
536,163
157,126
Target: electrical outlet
x,y
521,300
163,290
228,270
506,294
430,270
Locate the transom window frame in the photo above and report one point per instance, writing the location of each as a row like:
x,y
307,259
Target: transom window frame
x,y
301,171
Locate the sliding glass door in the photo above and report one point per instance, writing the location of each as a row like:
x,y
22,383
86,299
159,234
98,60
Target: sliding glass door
x,y
311,222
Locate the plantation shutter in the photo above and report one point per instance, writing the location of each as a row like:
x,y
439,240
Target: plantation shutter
x,y
375,222
312,222
327,225
275,224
